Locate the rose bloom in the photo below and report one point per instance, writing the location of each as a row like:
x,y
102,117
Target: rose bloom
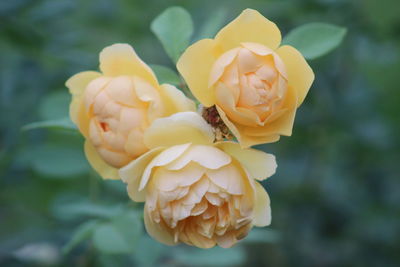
x,y
197,192
255,85
113,108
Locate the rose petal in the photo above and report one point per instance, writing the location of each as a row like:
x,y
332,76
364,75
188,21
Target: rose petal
x,y
165,157
183,127
106,171
207,156
262,209
260,164
133,172
249,26
300,75
121,59
195,66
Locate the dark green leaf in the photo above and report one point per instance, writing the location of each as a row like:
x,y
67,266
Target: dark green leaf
x,y
173,28
120,235
314,40
211,257
212,24
65,209
260,235
83,232
59,162
148,257
108,239
55,105
64,124
166,75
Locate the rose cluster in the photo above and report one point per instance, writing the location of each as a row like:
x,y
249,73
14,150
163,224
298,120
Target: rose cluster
x,y
198,187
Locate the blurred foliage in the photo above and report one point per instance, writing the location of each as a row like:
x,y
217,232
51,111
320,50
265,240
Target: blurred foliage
x,y
336,193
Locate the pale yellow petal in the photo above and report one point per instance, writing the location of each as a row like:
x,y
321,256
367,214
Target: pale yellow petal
x,y
132,174
226,101
98,164
281,125
195,66
79,115
180,128
239,132
156,231
206,155
249,26
121,59
174,100
167,180
77,85
248,140
261,165
262,209
227,177
300,74
164,158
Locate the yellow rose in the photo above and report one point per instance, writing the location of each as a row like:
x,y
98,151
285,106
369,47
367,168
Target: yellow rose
x,y
255,85
112,109
197,192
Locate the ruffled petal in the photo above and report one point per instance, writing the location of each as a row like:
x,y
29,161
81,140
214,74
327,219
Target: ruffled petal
x,y
205,155
132,174
156,231
164,158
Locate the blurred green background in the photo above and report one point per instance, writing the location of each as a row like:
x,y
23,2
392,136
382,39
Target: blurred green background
x,y
336,194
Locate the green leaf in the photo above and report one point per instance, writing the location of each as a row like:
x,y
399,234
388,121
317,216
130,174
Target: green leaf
x,y
108,239
173,28
64,124
261,235
83,232
314,40
67,209
216,256
166,75
59,161
120,235
55,105
144,256
213,24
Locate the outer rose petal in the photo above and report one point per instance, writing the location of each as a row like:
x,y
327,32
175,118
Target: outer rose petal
x,y
121,59
249,26
76,85
175,100
97,163
180,128
195,65
300,75
259,164
262,209
132,174
156,231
